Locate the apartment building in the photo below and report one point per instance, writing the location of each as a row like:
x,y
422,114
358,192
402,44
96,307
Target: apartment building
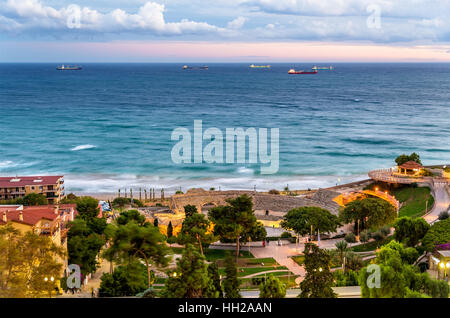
x,y
52,187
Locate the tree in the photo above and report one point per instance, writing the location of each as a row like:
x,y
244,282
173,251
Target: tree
x,y
190,210
439,233
190,278
410,231
87,207
69,199
131,241
318,279
121,202
126,280
25,261
398,278
341,247
272,288
214,289
256,233
371,213
405,158
86,236
131,215
195,231
231,282
83,245
34,199
306,220
169,230
234,220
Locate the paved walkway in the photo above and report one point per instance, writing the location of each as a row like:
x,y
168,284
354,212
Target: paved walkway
x,y
266,272
282,254
93,283
441,202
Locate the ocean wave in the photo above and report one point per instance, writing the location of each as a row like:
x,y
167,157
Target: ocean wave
x,y
369,141
110,184
83,147
7,164
245,170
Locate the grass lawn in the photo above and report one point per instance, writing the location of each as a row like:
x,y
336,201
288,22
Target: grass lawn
x,y
300,260
213,254
269,261
244,271
413,200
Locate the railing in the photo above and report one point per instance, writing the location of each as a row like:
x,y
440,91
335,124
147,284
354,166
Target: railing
x,y
387,175
386,196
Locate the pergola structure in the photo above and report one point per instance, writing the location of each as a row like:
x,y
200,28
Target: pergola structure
x,y
410,168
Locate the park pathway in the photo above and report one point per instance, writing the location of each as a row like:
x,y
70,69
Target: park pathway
x,y
441,202
282,254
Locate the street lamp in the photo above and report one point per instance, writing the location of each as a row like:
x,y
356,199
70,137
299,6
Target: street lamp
x,y
444,266
52,279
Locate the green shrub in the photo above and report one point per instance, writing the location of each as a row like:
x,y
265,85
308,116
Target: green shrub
x,y
364,236
439,233
350,238
443,215
285,235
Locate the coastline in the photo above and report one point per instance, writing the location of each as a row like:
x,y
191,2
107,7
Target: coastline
x,y
105,196
107,185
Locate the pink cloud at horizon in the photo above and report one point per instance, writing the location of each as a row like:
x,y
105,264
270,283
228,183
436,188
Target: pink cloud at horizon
x,y
136,51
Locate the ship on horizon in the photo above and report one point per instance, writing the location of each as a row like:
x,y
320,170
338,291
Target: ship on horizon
x,y
185,67
325,68
293,71
259,66
68,68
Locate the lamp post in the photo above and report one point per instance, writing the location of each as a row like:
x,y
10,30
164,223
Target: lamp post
x,y
51,279
444,266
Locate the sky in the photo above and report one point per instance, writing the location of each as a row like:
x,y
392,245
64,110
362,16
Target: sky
x,y
225,31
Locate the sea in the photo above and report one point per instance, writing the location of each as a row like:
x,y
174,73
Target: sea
x,y
109,126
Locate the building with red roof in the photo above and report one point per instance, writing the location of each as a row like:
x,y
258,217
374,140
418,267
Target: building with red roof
x,y
49,220
52,187
410,168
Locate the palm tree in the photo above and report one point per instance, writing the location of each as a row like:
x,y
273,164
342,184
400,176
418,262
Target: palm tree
x,y
341,247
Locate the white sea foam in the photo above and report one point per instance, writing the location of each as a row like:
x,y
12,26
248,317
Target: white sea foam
x,y
7,164
99,183
245,170
83,147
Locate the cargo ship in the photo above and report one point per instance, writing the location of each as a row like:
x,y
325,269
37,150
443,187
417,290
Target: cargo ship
x,y
69,68
185,67
259,66
326,68
292,71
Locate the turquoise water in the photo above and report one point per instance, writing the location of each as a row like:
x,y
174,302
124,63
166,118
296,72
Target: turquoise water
x,y
109,125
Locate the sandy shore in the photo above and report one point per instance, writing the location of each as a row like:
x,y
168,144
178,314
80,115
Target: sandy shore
x,y
105,196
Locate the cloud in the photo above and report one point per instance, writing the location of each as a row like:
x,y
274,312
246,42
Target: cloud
x,y
328,8
424,21
236,23
31,14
